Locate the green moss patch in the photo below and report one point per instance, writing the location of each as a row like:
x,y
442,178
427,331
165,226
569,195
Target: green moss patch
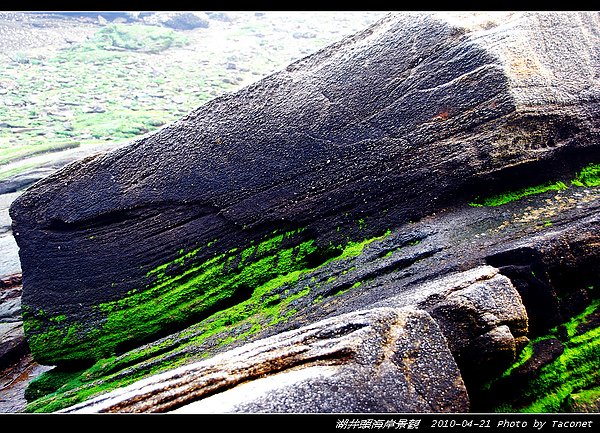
x,y
507,197
589,176
283,282
575,371
178,293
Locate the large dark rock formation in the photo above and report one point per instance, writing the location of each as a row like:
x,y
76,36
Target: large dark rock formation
x,y
383,127
337,185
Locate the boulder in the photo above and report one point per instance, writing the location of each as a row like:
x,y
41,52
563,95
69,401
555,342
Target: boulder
x,y
12,343
481,315
380,360
553,271
381,128
12,339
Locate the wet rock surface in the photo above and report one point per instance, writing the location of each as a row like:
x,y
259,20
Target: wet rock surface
x,y
14,380
17,367
12,339
9,256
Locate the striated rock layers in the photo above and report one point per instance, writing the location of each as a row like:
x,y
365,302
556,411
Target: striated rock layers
x,y
315,174
386,359
380,360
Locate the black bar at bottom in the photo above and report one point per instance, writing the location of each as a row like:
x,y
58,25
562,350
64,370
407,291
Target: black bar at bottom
x,y
316,423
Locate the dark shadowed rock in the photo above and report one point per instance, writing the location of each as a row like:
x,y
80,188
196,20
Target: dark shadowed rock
x,y
544,352
380,360
553,271
12,339
12,343
384,127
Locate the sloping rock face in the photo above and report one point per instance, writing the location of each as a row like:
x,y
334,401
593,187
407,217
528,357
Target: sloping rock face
x,y
379,360
387,126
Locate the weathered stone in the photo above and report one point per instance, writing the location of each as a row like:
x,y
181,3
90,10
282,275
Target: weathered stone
x,y
544,352
495,351
388,125
592,321
479,312
10,308
380,360
553,271
14,380
12,338
10,283
414,253
12,343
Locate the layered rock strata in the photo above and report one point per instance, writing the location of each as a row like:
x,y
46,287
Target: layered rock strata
x,y
379,360
386,126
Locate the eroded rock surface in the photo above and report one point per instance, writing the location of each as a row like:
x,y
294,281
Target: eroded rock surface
x,y
479,312
380,360
12,339
386,126
336,190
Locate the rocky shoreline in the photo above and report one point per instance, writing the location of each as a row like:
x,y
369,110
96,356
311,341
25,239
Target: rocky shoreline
x,y
358,232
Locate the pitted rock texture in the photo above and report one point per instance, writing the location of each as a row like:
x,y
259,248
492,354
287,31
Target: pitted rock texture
x,y
548,268
480,313
416,254
386,126
379,360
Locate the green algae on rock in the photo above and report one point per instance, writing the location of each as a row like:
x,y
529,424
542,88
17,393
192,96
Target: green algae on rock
x,y
185,291
171,237
563,382
589,176
178,293
269,303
